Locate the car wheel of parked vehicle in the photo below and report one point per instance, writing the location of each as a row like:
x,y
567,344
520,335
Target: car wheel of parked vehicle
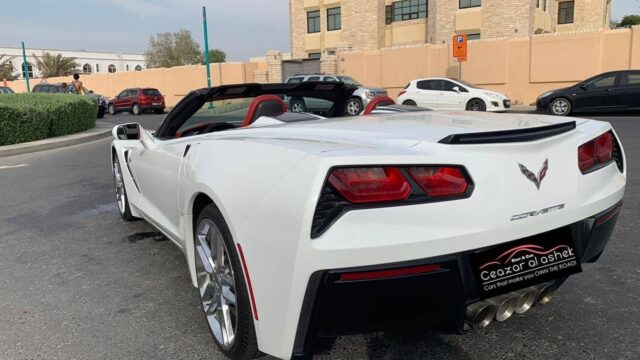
x,y
121,192
409,102
354,106
476,105
112,109
101,112
298,106
560,107
222,288
136,109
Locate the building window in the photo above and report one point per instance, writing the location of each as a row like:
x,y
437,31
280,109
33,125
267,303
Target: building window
x,y
388,14
127,67
334,19
313,21
544,5
409,10
138,68
86,68
465,4
97,68
565,12
314,56
29,70
111,68
473,36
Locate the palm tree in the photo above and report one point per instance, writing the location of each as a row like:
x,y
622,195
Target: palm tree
x,y
6,67
55,65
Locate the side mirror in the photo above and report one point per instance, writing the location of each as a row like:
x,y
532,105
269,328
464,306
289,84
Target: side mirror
x,y
456,89
130,131
584,87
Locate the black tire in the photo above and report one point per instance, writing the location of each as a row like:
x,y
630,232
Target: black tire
x,y
101,112
245,345
112,109
298,106
123,204
560,107
476,105
159,111
410,103
354,107
136,110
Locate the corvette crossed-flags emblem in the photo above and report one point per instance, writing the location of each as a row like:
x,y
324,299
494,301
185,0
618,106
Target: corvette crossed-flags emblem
x,y
537,180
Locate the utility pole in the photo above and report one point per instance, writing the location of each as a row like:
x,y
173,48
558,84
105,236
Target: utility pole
x,y
25,67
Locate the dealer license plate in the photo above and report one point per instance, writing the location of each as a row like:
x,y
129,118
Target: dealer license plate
x,y
523,263
157,104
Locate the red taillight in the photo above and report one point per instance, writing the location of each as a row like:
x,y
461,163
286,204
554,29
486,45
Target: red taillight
x,y
402,93
370,184
440,181
598,151
385,274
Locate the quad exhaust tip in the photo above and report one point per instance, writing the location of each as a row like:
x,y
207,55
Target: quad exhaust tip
x,y
500,308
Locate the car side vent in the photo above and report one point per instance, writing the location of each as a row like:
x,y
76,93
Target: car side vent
x,y
617,154
330,207
509,136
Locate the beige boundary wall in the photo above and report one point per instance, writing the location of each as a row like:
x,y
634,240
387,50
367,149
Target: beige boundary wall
x,y
522,68
174,83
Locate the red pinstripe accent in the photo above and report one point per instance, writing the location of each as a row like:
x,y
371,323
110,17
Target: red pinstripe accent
x,y
246,273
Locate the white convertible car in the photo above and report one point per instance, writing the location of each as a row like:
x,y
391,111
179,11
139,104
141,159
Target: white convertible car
x,y
303,227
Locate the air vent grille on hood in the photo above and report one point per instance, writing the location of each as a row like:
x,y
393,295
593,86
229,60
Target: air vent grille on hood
x,y
509,136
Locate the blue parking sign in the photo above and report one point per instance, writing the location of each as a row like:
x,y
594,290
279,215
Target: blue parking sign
x,y
460,39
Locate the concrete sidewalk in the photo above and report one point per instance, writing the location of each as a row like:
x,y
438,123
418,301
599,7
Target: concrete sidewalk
x,y
101,130
523,109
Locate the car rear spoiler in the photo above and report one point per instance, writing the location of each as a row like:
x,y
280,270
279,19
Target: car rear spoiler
x,y
509,136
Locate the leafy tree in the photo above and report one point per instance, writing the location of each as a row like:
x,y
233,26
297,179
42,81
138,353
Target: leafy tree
x,y
629,21
55,65
172,49
216,56
6,68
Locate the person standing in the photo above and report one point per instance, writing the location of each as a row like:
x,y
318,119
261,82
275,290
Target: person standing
x,y
77,84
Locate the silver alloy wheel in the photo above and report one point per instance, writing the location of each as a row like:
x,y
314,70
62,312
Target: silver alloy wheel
x,y
297,107
560,107
112,109
353,107
136,109
121,195
216,283
475,106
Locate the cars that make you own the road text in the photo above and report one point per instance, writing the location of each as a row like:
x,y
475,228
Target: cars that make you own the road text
x,y
360,212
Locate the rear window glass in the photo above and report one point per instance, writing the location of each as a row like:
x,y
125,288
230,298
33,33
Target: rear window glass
x,y
295,80
151,92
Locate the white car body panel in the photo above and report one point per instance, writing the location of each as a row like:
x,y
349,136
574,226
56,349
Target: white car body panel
x,y
451,100
266,180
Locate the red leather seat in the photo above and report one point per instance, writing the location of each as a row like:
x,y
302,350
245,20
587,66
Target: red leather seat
x,y
382,100
264,105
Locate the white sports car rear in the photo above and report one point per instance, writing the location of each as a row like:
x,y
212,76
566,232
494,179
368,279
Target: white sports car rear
x,y
298,227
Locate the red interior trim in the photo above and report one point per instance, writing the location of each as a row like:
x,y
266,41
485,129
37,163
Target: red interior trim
x,y
253,107
381,100
246,273
385,274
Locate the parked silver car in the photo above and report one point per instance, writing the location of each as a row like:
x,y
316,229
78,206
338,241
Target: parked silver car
x,y
356,104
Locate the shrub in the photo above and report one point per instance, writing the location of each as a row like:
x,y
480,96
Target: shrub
x,y
29,117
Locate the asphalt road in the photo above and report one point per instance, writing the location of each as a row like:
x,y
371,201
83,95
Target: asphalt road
x,y
76,282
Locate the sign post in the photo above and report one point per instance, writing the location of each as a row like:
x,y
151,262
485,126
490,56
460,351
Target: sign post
x,y
460,51
25,67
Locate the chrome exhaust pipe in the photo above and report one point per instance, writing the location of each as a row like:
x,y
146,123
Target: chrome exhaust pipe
x,y
505,306
545,292
525,300
480,314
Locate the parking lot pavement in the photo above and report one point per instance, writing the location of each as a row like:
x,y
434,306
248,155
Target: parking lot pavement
x,y
77,282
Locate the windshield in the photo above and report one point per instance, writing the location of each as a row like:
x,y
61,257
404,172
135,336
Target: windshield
x,y
349,80
467,84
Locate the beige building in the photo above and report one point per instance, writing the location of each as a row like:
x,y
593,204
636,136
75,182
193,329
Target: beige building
x,y
320,27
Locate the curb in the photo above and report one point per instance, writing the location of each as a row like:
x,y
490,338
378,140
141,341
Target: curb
x,y
102,130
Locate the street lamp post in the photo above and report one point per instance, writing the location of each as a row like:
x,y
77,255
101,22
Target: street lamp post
x,y
206,45
25,68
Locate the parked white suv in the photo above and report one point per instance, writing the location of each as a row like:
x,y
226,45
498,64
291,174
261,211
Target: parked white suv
x,y
356,104
449,94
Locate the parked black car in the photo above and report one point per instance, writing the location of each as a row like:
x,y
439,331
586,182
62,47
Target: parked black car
x,y
6,90
60,88
616,91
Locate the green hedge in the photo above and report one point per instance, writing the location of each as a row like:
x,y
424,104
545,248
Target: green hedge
x,y
29,117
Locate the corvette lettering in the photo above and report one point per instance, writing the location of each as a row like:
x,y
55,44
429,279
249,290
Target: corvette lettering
x,y
536,213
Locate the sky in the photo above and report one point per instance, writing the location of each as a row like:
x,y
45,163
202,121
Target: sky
x,y
242,28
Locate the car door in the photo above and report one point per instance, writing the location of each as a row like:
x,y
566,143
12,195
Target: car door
x,y
596,94
450,99
315,104
120,99
156,169
627,90
426,93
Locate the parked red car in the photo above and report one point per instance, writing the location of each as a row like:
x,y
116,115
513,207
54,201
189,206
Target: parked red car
x,y
137,101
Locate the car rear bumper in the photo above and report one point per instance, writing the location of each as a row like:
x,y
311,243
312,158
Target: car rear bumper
x,y
435,299
152,106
